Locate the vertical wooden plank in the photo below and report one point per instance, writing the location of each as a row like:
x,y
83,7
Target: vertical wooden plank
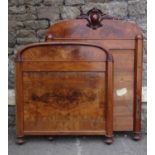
x,y
109,99
137,86
19,103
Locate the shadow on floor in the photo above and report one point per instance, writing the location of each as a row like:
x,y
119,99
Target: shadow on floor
x,y
78,145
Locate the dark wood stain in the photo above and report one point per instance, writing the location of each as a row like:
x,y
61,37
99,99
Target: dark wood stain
x,y
64,98
68,84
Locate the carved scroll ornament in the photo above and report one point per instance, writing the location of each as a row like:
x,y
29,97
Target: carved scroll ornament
x,y
94,18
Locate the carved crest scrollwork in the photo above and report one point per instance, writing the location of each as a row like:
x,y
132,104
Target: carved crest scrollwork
x,y
94,18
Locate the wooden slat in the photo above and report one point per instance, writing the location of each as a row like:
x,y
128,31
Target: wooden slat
x,y
109,44
99,132
109,97
19,101
64,52
63,66
137,86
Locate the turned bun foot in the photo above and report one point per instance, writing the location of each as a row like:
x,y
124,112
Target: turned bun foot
x,y
108,140
20,140
136,136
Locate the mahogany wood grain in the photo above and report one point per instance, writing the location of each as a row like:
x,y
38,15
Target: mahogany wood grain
x,y
123,52
77,29
138,86
85,79
66,90
64,66
19,104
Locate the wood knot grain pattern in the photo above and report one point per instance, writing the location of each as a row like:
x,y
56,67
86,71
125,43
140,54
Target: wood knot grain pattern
x,y
65,98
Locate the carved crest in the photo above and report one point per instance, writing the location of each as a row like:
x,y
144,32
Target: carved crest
x,y
94,18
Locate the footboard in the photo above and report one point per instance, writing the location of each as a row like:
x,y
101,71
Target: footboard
x,y
64,88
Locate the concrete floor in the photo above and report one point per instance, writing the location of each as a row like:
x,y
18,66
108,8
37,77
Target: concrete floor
x,y
123,145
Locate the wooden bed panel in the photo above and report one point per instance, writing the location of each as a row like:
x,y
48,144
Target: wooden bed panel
x,y
63,53
70,101
110,64
123,54
108,29
111,44
123,89
64,66
73,96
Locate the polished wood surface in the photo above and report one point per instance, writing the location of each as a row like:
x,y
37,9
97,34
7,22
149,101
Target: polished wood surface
x,y
66,89
123,54
123,50
87,75
77,29
138,86
64,101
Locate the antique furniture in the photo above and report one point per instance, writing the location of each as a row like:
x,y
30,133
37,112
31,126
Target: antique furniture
x,y
85,79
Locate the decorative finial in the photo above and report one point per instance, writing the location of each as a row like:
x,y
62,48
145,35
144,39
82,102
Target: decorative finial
x,y
94,18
